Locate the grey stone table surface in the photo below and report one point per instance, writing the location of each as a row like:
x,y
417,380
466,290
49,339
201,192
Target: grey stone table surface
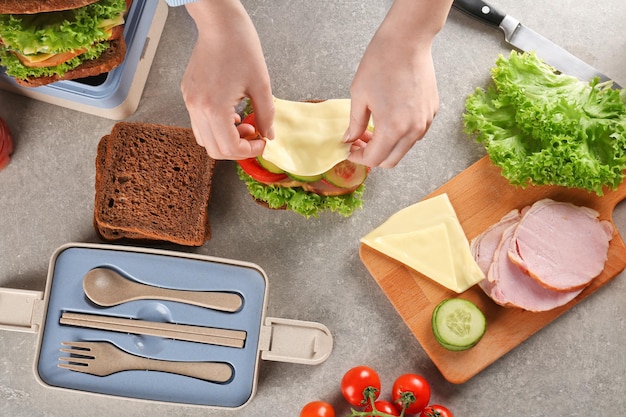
x,y
575,366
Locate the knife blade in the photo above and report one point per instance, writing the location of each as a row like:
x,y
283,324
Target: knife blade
x,y
527,40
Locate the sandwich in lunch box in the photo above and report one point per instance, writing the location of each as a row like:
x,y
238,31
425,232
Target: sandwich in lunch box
x,y
44,42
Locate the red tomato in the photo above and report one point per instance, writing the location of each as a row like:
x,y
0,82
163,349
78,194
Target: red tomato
x,y
411,391
359,384
317,409
436,410
252,167
6,144
250,133
383,406
249,119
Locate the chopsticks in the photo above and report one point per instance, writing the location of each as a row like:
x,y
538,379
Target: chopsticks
x,y
199,334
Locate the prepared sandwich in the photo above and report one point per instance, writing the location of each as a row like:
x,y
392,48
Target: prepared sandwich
x,y
153,182
44,42
305,167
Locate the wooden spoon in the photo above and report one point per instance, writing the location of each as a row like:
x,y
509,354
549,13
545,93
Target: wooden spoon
x,y
106,287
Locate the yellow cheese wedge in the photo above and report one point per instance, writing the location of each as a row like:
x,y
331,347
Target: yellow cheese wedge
x,y
428,237
308,137
37,57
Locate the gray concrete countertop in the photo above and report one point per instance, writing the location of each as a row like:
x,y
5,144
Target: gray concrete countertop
x,y
575,366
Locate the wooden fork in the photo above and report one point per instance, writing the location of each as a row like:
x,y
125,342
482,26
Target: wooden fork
x,y
104,358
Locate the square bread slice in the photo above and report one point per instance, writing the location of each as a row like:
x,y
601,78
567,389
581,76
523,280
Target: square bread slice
x,y
153,182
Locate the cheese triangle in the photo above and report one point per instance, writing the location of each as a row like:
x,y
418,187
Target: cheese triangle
x,y
428,237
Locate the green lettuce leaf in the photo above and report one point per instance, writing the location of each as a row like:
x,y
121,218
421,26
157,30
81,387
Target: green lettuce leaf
x,y
302,202
61,31
545,128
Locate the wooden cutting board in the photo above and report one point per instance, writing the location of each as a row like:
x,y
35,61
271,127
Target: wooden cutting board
x,y
480,197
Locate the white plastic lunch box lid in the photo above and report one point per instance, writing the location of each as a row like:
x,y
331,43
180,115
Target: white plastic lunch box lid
x,y
267,338
116,94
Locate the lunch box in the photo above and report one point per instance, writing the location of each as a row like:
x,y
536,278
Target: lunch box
x,y
267,338
116,94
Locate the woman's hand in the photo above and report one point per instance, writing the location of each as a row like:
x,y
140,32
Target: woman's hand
x,y
395,84
226,65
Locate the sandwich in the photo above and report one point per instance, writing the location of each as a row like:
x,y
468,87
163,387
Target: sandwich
x,y
305,168
153,182
44,42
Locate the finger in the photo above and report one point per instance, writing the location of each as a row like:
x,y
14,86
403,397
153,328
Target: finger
x,y
359,120
263,104
371,153
247,131
229,143
220,138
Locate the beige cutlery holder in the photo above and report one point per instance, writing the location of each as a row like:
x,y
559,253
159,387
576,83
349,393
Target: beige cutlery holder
x,y
267,338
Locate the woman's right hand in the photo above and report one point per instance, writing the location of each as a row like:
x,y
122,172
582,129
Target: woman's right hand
x,y
226,65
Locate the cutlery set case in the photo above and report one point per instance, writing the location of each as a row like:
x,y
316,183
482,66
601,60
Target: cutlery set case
x,y
266,338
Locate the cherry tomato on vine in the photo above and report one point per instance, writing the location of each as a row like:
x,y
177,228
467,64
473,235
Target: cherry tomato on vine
x,y
384,406
317,409
412,390
436,410
356,381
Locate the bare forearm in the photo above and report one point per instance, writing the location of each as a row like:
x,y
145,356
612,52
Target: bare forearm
x,y
415,21
211,16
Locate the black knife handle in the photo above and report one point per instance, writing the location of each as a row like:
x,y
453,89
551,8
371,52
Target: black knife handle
x,y
480,10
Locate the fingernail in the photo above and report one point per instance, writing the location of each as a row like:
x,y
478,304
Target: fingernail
x,y
346,136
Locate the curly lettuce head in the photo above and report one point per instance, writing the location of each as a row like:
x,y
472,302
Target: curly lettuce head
x,y
544,128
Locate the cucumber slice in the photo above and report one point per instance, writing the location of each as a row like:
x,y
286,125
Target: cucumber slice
x,y
346,174
458,324
271,167
305,178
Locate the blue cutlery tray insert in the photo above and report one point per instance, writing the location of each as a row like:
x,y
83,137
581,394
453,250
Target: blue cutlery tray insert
x,y
163,269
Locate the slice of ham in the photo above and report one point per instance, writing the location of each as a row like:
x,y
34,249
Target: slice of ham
x,y
484,246
509,286
560,245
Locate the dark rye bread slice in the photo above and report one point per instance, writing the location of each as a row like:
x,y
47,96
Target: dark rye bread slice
x,y
110,233
38,6
111,58
153,182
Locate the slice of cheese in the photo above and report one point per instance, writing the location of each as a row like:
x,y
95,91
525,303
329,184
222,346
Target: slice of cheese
x,y
428,237
308,137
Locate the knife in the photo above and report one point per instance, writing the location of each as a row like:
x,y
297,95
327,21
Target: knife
x,y
527,40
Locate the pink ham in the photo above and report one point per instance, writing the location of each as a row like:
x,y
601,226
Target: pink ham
x,y
560,245
507,285
484,245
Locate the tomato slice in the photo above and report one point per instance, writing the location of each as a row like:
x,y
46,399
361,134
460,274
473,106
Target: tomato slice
x,y
252,167
249,119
